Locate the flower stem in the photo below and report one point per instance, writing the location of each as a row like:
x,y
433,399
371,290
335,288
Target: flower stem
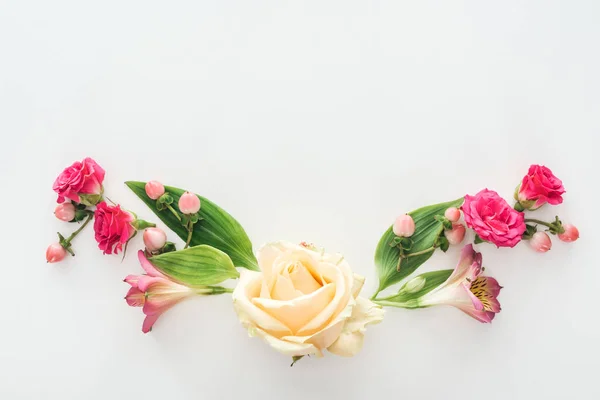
x,y
190,227
175,213
537,221
74,234
418,253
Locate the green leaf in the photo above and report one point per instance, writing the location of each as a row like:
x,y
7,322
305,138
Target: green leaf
x,y
428,229
416,288
217,228
196,266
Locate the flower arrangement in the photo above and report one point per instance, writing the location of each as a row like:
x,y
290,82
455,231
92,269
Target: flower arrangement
x,y
299,298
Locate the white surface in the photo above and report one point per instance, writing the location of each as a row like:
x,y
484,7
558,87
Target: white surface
x,y
318,121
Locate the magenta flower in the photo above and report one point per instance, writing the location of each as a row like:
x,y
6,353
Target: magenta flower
x,y
155,292
81,182
467,290
539,187
493,219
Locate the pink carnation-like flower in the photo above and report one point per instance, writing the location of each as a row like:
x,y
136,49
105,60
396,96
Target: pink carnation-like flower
x,y
493,219
539,187
113,227
81,178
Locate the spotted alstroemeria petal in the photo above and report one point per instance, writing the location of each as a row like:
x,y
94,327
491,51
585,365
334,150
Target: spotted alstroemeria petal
x,y
486,289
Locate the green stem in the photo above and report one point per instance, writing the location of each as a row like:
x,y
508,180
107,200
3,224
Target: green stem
x,y
537,221
190,227
407,304
74,234
175,213
418,253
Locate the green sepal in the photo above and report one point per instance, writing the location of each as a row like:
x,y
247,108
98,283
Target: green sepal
x,y
90,199
196,266
168,247
218,229
478,239
530,230
442,243
427,230
160,206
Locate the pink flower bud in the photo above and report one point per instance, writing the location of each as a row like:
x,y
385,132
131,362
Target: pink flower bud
x,y
404,226
189,203
452,214
540,242
65,212
570,234
154,189
455,235
154,239
55,253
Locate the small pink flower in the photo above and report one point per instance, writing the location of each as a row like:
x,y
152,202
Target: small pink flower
x,y
467,290
493,219
404,226
540,242
112,227
65,212
55,253
452,214
154,189
539,187
570,234
189,203
154,292
455,235
154,239
81,178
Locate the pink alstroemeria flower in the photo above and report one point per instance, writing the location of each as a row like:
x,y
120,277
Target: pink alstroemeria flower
x,y
466,290
155,292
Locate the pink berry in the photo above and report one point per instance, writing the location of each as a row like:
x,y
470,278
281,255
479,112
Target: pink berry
x,y
154,239
65,212
540,242
154,189
452,214
404,226
189,203
455,235
55,253
570,234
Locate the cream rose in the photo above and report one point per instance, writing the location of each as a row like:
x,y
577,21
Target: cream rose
x,y
304,301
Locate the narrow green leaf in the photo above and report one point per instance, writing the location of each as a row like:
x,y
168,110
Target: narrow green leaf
x,y
196,266
417,287
427,231
217,228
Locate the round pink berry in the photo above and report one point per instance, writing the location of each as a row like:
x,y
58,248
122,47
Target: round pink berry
x,y
189,203
154,239
55,253
404,226
540,242
570,234
65,212
455,235
452,214
154,189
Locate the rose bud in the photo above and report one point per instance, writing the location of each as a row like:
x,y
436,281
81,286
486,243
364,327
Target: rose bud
x,y
570,234
404,226
455,235
452,214
189,203
55,253
538,187
154,189
540,242
65,212
154,239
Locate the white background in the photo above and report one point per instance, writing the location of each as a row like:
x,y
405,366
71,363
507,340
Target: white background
x,y
313,120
